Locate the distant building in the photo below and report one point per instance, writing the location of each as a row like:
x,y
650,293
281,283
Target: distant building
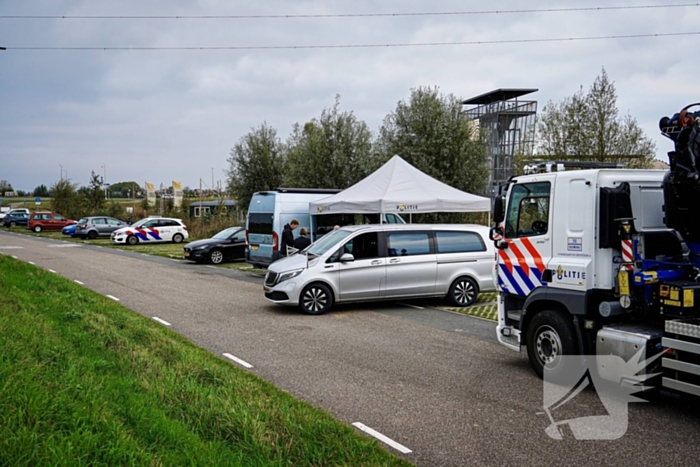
x,y
211,208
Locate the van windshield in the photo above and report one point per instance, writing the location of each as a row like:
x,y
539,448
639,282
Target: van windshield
x,y
327,242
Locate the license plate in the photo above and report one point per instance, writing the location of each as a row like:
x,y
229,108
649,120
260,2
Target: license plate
x,y
187,254
266,288
254,247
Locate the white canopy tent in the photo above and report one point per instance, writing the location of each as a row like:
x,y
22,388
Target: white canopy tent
x,y
398,187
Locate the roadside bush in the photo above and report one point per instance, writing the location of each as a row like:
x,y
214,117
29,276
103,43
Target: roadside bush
x,y
205,227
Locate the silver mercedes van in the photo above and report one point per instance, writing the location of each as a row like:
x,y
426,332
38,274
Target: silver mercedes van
x,y
385,262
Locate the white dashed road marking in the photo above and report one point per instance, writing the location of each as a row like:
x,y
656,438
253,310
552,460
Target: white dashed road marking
x,y
32,263
112,297
388,441
163,322
67,245
14,256
238,360
51,270
10,247
78,282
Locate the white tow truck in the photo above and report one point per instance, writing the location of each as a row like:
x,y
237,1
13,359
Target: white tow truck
x,y
604,262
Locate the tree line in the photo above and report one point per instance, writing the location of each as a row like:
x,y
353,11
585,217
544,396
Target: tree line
x,y
430,131
336,149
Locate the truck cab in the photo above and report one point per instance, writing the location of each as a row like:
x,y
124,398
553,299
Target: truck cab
x,y
587,264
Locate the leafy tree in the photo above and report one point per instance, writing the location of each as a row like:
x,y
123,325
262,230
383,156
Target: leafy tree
x,y
257,163
41,190
587,127
5,186
93,196
65,200
431,132
333,151
21,193
128,189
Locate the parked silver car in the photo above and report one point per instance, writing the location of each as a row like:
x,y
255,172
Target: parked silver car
x,y
97,226
382,262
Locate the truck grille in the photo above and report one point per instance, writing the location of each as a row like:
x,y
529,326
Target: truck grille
x,y
271,278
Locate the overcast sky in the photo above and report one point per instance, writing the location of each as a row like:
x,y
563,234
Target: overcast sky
x,y
163,115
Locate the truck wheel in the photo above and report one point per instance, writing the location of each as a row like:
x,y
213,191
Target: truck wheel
x,y
463,292
549,336
315,299
92,235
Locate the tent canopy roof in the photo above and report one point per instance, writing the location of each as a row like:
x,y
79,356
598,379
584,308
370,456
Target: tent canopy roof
x,y
397,186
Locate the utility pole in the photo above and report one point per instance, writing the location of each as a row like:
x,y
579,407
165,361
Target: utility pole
x,y
61,171
212,178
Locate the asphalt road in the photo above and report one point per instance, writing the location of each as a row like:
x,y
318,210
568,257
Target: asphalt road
x,y
433,381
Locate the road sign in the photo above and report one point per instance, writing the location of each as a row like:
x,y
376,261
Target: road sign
x,y
38,201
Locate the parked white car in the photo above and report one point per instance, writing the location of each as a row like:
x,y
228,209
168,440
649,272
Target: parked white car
x,y
385,262
152,230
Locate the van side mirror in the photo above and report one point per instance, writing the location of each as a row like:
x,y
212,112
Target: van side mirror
x,y
347,258
498,212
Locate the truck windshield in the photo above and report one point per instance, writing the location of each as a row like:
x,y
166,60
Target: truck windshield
x,y
327,242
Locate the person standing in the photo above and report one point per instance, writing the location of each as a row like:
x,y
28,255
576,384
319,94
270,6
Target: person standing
x,y
302,241
288,237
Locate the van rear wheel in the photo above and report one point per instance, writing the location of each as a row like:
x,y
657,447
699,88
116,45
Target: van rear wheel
x,y
315,299
463,292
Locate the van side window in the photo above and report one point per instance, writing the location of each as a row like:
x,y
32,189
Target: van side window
x,y
363,246
408,244
459,242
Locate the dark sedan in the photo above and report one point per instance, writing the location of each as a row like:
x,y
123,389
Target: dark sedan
x,y
227,245
19,218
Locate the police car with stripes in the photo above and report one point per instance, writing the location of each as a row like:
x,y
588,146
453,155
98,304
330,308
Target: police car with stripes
x,y
152,230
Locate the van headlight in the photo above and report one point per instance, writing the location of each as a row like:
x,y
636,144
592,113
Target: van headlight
x,y
289,275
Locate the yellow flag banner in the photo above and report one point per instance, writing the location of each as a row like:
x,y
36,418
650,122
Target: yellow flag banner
x,y
177,194
151,194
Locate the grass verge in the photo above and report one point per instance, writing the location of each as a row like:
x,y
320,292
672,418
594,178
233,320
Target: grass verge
x,y
84,380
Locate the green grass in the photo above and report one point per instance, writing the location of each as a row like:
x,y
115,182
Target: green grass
x,y
484,307
85,381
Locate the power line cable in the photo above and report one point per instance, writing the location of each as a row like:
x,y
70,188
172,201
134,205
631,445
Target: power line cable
x,y
359,15
366,46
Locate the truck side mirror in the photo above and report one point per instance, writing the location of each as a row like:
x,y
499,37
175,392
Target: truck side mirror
x,y
498,212
496,236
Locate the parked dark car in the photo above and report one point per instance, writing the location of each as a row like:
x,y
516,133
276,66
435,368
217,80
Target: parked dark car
x,y
18,218
227,245
97,226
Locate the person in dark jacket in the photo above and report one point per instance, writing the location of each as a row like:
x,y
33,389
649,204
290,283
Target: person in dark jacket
x,y
288,237
303,241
